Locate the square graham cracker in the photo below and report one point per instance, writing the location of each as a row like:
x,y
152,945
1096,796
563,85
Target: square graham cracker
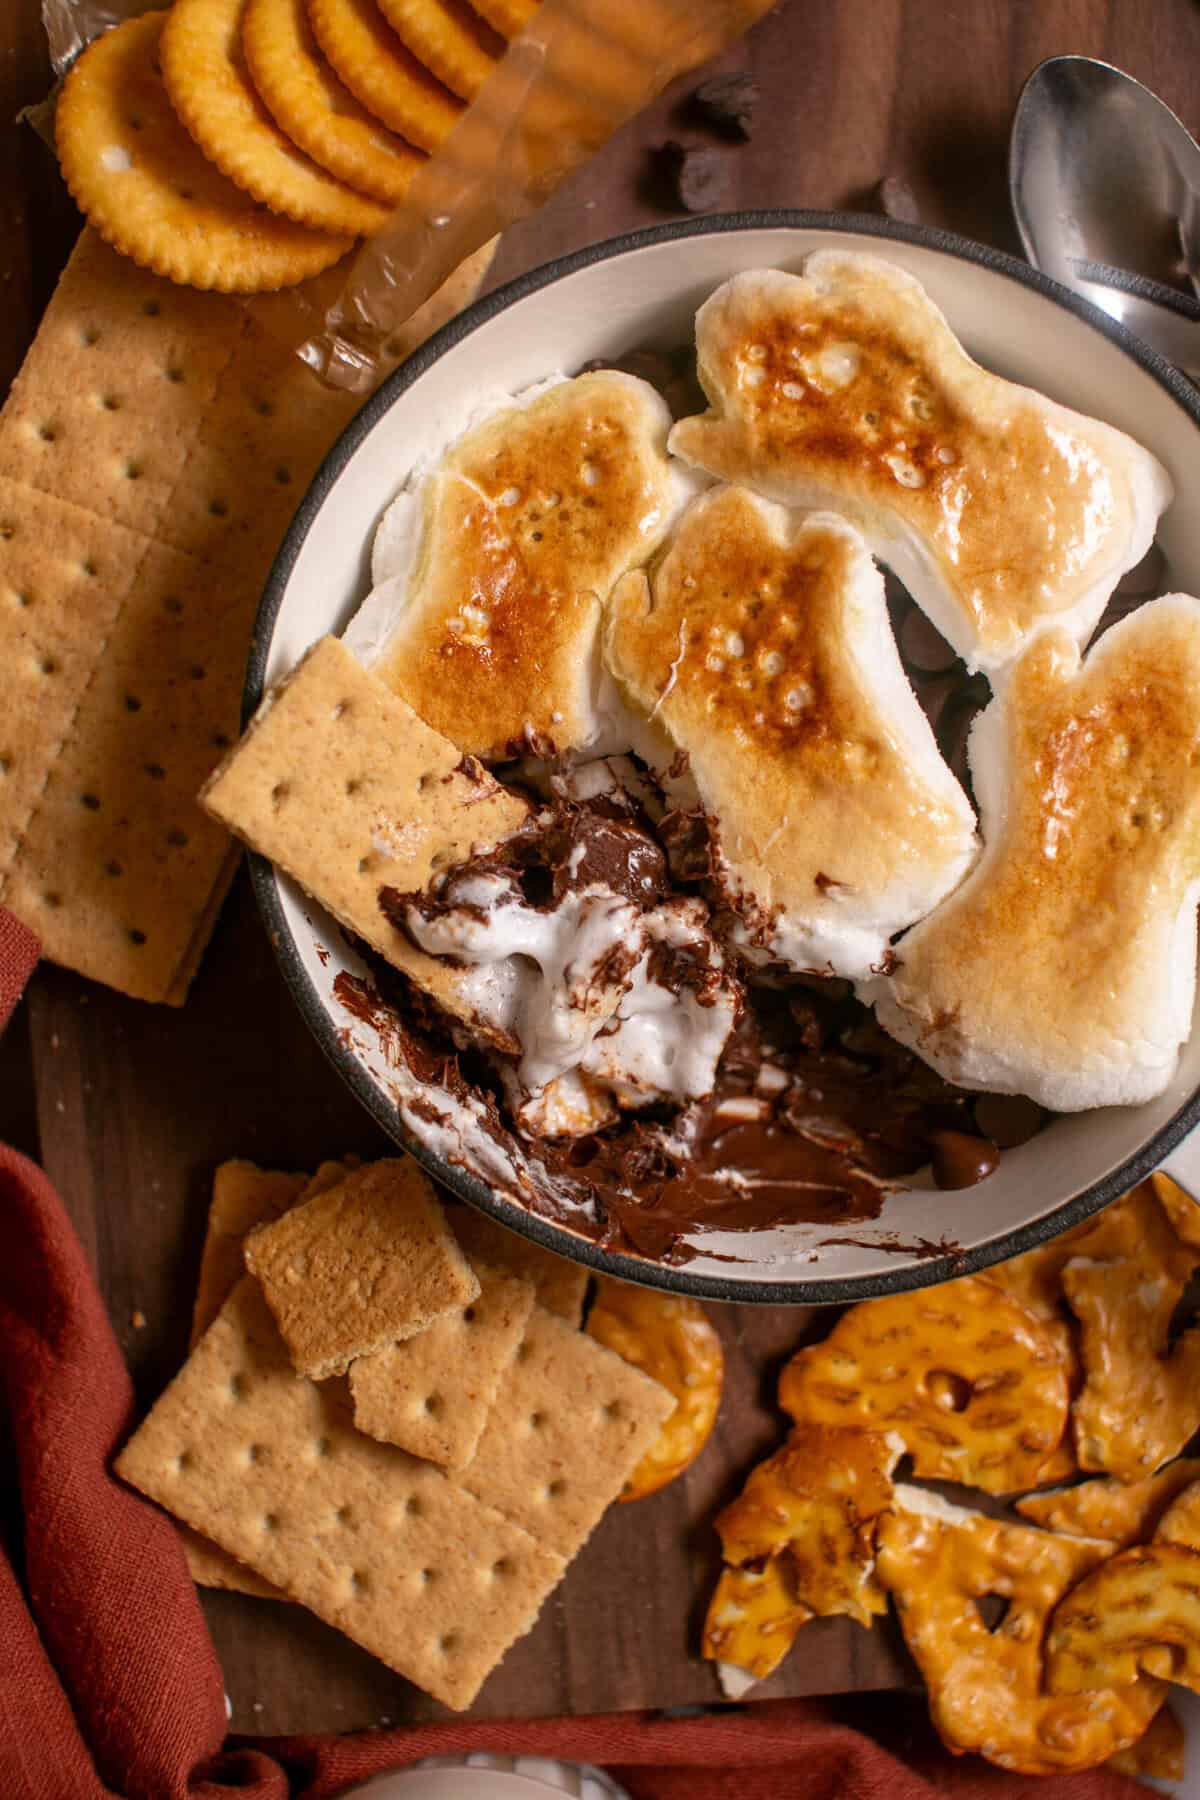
x,y
561,1285
152,452
113,389
243,1196
181,415
569,1426
148,578
341,784
386,1548
431,1394
359,1267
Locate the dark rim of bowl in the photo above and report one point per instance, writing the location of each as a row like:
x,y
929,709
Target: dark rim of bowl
x,y
924,1269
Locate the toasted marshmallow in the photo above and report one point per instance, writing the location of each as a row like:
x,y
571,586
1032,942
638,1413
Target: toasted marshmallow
x,y
1002,512
761,647
1065,966
578,987
492,567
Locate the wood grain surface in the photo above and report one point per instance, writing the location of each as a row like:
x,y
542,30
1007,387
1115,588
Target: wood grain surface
x,y
135,1105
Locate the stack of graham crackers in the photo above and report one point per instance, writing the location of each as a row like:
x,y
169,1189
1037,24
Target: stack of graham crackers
x,y
392,1417
152,452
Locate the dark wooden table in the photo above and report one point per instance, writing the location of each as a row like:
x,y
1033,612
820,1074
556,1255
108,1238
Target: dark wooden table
x,y
130,1107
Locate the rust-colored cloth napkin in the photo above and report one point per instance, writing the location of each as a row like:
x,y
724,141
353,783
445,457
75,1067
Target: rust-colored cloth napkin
x,y
109,1684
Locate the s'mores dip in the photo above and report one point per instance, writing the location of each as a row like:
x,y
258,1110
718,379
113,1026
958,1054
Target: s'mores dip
x,y
701,910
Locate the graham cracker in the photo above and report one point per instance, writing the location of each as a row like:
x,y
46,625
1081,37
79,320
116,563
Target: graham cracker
x,y
136,878
63,573
561,1285
568,1427
359,1267
431,1394
122,371
243,1196
340,783
384,1547
148,586
152,452
211,1567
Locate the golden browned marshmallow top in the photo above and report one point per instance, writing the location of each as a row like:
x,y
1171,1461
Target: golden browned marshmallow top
x,y
761,646
1064,967
845,386
528,521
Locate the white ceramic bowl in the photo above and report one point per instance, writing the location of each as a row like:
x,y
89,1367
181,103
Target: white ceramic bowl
x,y
644,290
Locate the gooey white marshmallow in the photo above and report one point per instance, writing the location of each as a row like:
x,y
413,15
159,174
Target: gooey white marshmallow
x,y
575,985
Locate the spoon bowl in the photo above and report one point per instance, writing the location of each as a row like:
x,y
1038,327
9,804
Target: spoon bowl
x,y
1105,187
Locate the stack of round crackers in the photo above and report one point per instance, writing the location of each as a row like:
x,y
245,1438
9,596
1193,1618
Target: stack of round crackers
x,y
244,145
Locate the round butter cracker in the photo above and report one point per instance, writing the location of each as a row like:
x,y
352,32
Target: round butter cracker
x,y
317,112
453,42
670,1337
508,17
205,74
151,194
382,75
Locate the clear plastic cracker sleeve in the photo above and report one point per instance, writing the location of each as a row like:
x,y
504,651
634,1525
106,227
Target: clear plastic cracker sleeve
x,y
577,73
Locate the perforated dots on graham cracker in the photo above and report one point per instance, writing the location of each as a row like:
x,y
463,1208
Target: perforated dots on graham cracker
x,y
388,1549
113,829
166,410
152,452
128,617
118,379
58,565
431,1394
360,1266
569,1425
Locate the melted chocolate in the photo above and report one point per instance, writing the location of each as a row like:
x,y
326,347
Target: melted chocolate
x,y
816,1115
688,841
842,1113
960,1160
1008,1119
567,844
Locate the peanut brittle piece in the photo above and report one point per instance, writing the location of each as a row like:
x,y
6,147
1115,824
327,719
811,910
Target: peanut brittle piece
x,y
971,1381
943,1566
819,1499
753,1618
1122,1512
1138,1614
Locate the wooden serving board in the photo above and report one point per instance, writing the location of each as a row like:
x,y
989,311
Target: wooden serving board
x,y
137,1104
133,1106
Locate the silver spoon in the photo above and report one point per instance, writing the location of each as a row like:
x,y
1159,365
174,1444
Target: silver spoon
x,y
1105,187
